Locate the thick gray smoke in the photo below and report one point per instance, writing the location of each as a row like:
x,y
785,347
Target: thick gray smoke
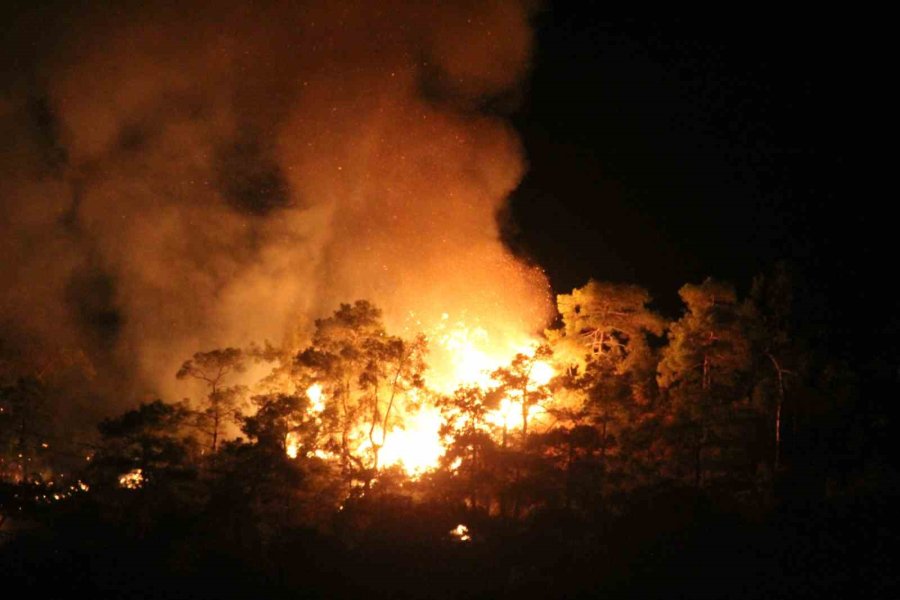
x,y
181,178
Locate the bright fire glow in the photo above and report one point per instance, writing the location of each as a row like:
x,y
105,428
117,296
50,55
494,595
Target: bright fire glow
x,y
509,414
314,393
542,373
461,533
460,355
316,406
292,445
466,355
468,361
417,446
132,480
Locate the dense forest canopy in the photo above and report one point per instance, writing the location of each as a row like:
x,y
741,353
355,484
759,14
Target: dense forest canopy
x,y
614,407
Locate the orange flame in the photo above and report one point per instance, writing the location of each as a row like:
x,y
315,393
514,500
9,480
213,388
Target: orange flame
x,y
132,480
460,355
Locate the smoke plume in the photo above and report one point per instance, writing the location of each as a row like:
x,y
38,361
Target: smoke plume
x,y
198,175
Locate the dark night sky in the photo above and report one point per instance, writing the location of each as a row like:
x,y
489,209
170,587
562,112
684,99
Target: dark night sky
x,y
665,150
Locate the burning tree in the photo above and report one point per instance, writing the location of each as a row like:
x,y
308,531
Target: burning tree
x,y
278,478
523,382
282,424
470,445
370,380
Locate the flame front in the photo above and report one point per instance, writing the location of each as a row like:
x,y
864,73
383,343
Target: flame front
x,y
316,402
417,446
459,356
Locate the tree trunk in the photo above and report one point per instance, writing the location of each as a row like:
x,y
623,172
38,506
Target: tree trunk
x,y
23,446
698,458
375,446
473,473
778,407
603,444
215,433
697,465
524,415
705,383
570,480
387,412
214,404
345,426
603,465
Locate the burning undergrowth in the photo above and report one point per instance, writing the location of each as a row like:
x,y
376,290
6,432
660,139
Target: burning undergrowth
x,y
366,400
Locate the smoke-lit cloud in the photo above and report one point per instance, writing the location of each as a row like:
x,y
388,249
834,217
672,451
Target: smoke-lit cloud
x,y
179,178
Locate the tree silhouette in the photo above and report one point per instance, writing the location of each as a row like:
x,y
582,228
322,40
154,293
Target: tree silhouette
x,y
606,334
363,372
517,382
24,419
222,402
705,372
471,448
608,321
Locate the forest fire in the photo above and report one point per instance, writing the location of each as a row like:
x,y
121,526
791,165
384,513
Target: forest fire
x,y
414,441
415,445
464,355
132,480
337,299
